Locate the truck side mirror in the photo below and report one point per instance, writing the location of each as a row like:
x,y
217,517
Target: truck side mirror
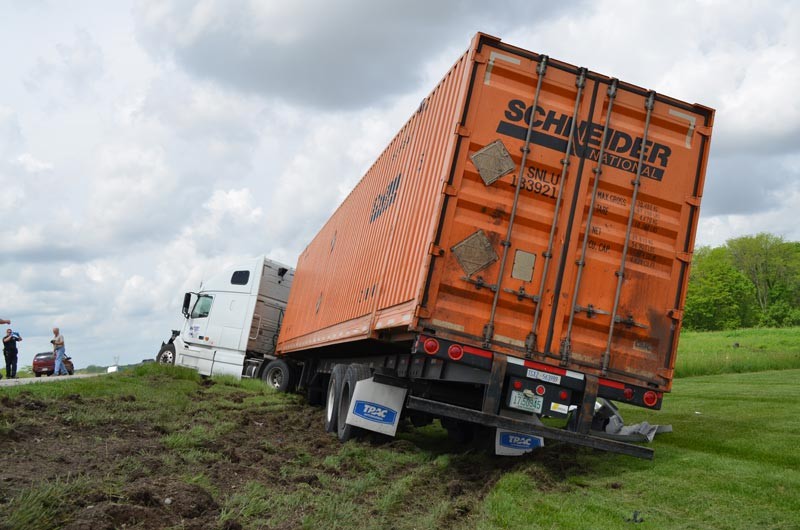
x,y
187,299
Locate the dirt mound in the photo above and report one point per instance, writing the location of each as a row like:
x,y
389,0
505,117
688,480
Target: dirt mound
x,y
151,504
25,401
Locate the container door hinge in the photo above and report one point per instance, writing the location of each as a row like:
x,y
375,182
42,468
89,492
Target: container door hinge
x,y
450,190
629,322
436,250
461,130
693,201
675,314
666,373
480,58
422,312
565,351
530,345
521,294
480,283
590,310
685,257
702,129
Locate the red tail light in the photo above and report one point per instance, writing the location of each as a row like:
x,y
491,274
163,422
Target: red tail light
x,y
455,352
563,395
517,385
540,390
628,392
431,346
650,398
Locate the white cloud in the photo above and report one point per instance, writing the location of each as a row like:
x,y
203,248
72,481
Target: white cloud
x,y
234,206
142,149
314,53
10,132
31,164
75,66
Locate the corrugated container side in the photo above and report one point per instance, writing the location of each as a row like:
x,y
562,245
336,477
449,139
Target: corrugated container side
x,y
418,244
363,269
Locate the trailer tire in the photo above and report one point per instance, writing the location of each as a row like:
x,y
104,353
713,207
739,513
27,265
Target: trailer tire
x,y
278,374
354,374
166,355
332,397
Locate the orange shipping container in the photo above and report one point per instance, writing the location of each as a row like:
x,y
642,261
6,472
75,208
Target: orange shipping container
x,y
528,207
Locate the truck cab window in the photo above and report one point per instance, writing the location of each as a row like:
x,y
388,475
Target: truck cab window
x,y
202,306
240,278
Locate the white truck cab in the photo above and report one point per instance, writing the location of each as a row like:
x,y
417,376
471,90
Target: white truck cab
x,y
231,324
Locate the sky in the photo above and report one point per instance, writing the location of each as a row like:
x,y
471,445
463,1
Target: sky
x,y
146,144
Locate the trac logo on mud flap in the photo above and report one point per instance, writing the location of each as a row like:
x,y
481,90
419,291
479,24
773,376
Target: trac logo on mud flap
x,y
519,441
374,412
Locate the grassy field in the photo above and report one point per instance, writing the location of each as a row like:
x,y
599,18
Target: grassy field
x,y
161,448
738,351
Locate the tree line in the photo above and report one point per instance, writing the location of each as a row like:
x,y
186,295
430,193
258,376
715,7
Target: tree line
x,y
750,281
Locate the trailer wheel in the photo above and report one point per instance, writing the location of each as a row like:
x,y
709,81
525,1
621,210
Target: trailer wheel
x,y
354,374
278,375
166,355
332,400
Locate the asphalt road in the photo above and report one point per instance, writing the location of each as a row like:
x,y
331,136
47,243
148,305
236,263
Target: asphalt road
x,y
44,379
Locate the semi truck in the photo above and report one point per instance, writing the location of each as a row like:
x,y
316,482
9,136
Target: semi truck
x,y
519,251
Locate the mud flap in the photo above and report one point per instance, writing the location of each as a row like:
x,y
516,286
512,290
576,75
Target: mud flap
x,y
510,443
376,407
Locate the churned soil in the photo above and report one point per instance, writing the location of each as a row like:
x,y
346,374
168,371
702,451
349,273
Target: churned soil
x,y
135,479
127,463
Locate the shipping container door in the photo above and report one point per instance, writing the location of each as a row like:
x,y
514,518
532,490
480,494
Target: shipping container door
x,y
625,269
508,305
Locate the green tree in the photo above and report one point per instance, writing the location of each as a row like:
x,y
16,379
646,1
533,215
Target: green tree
x,y
773,266
759,257
719,295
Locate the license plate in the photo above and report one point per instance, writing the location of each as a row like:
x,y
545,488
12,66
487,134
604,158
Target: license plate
x,y
522,402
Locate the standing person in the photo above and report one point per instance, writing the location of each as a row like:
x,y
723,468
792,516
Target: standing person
x,y
58,348
10,352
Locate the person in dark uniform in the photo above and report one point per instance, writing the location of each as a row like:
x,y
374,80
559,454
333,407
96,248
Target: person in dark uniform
x,y
10,352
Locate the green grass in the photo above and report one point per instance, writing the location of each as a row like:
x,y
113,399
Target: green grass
x,y
44,506
716,352
732,462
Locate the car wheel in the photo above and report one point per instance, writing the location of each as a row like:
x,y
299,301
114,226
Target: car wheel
x,y
279,375
70,372
38,374
332,399
166,355
354,374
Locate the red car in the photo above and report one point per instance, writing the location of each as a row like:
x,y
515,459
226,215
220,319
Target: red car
x,y
45,363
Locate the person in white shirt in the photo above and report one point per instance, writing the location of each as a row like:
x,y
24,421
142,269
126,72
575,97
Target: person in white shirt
x,y
58,348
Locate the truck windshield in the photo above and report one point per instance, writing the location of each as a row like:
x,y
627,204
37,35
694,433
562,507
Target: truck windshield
x,y
202,306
